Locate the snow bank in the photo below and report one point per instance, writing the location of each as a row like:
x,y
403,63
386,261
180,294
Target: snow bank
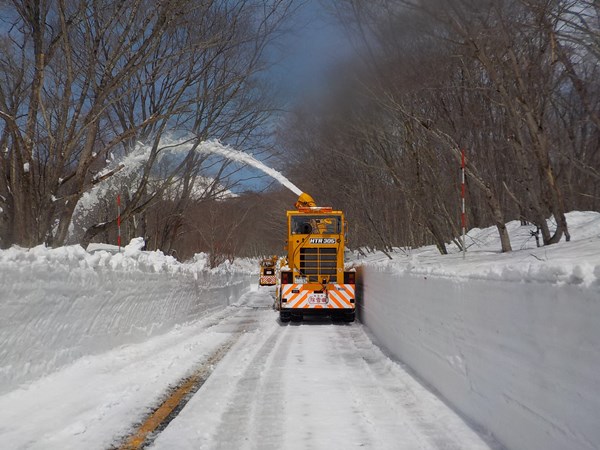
x,y
58,305
576,262
510,340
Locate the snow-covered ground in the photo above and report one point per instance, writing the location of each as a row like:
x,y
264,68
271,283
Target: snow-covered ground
x,y
316,385
576,262
90,343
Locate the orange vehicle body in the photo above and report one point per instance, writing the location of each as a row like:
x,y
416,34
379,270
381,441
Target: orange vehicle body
x,y
314,282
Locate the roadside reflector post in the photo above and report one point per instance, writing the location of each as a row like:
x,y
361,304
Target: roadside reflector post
x,y
463,218
119,221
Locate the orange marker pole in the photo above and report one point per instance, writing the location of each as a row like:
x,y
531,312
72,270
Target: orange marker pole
x,y
119,221
463,217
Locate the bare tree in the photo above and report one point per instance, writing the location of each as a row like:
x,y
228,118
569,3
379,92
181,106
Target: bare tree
x,y
511,82
86,80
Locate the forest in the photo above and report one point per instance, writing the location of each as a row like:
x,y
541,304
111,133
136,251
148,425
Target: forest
x,y
515,84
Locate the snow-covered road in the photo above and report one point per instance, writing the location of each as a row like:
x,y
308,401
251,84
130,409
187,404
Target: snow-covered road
x,y
317,384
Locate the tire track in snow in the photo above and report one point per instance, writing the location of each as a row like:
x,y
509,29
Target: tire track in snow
x,y
378,407
322,414
176,400
177,397
220,411
272,393
245,405
392,398
314,385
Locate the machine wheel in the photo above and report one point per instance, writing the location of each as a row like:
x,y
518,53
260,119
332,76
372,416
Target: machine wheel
x,y
284,316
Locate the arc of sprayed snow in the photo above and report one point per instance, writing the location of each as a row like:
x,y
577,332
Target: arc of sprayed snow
x,y
216,147
139,156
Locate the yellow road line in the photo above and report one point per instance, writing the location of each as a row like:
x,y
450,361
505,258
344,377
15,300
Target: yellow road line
x,y
154,421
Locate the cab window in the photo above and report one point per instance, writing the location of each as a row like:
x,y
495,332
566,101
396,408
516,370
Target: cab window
x,y
316,224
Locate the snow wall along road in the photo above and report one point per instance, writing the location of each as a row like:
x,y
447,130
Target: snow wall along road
x,y
58,305
520,358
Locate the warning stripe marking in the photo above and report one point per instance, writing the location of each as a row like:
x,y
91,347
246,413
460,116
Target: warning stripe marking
x,y
335,302
268,279
339,296
297,300
343,293
287,288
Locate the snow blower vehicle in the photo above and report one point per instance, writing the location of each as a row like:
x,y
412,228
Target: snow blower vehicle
x,y
313,281
267,271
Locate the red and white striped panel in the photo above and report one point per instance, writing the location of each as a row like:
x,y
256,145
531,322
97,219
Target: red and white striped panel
x,y
269,280
294,299
341,294
338,297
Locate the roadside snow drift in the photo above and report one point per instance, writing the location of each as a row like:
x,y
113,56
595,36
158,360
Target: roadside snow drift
x,y
510,340
57,305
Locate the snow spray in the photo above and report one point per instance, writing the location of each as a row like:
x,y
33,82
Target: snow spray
x,y
134,162
216,147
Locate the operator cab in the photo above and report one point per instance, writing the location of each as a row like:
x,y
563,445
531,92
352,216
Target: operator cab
x,y
316,224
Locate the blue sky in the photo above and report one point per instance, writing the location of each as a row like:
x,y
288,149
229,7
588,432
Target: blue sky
x,y
303,56
308,52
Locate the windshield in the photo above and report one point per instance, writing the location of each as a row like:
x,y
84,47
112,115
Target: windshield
x,y
306,224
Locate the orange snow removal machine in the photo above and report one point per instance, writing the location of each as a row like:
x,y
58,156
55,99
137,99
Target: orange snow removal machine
x,y
267,271
313,280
